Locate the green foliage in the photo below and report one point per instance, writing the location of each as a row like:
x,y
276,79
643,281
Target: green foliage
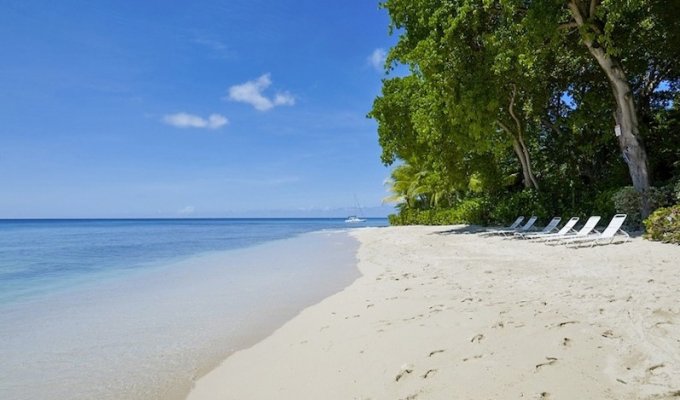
x,y
628,201
526,202
664,225
492,80
470,211
604,206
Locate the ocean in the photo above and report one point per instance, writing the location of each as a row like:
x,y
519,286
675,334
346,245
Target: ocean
x,y
138,309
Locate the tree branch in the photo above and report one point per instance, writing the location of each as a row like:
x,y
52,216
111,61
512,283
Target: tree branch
x,y
576,12
506,129
567,25
593,7
511,109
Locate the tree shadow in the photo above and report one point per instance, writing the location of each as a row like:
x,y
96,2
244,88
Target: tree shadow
x,y
461,230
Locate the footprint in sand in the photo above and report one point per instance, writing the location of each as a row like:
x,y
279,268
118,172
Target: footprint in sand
x,y
551,361
609,334
433,352
563,324
477,338
428,373
651,369
405,370
436,308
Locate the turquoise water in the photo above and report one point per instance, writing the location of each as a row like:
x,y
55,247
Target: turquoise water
x,y
38,256
137,309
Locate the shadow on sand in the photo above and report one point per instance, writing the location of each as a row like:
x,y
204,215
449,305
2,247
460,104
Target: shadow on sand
x,y
461,230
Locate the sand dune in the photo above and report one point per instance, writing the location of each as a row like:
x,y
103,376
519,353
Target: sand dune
x,y
443,314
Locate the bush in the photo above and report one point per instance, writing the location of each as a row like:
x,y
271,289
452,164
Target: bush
x,y
664,225
677,192
628,201
527,202
470,211
603,205
663,196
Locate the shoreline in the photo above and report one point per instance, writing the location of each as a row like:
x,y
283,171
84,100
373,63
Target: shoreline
x,y
151,334
270,324
438,314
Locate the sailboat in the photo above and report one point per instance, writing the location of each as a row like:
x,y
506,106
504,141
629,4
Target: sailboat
x,y
353,219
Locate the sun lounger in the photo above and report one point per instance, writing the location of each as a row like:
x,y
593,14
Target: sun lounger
x,y
587,228
566,229
607,236
524,228
552,225
513,227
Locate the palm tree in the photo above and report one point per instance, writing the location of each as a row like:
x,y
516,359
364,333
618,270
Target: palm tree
x,y
413,185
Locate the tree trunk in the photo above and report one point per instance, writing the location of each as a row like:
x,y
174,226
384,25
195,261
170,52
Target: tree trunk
x,y
522,153
529,170
528,182
626,115
518,144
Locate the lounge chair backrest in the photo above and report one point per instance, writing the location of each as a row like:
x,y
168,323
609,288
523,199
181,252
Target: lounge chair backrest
x,y
589,226
517,222
568,226
552,225
529,224
614,225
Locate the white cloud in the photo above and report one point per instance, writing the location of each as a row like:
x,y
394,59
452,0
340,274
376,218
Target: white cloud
x,y
377,59
251,93
284,99
185,120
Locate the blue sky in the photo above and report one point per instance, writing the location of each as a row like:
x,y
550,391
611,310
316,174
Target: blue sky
x,y
190,108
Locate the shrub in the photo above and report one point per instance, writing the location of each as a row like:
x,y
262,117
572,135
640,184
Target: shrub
x,y
603,205
628,201
472,211
526,202
663,196
664,225
469,211
677,192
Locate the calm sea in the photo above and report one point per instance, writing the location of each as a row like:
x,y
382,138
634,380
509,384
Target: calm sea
x,y
137,309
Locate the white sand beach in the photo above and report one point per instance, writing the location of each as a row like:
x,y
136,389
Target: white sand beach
x,y
441,314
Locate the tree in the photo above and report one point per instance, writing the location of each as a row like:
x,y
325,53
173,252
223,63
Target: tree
x,y
536,78
638,31
463,53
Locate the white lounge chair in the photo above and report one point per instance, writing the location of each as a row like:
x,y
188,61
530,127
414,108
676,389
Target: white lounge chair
x,y
608,235
589,227
552,225
513,227
566,229
523,228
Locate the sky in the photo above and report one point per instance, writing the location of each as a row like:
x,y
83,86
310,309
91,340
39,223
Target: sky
x,y
210,108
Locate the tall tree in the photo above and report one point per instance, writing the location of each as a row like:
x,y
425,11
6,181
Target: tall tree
x,y
629,42
454,49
